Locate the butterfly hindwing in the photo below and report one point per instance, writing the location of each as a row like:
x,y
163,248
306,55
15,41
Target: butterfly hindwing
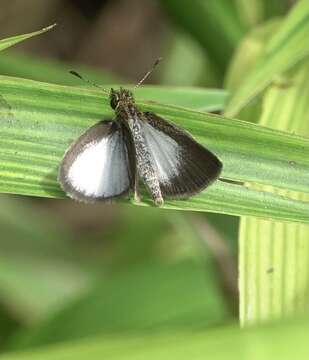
x,y
184,167
97,166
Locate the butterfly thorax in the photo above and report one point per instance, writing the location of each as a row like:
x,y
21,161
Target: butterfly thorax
x,y
122,101
120,98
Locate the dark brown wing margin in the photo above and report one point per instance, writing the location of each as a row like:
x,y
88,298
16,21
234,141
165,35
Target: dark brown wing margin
x,y
198,166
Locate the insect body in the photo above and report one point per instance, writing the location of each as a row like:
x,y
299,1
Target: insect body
x,y
134,120
110,158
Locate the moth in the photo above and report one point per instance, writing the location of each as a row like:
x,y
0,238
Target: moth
x,y
111,158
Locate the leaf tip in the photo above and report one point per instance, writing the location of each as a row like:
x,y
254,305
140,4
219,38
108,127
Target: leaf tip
x,y
49,27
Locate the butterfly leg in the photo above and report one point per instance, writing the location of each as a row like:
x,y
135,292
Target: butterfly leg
x,y
137,195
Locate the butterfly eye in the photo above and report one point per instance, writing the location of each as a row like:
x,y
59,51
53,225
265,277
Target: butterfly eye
x,y
114,101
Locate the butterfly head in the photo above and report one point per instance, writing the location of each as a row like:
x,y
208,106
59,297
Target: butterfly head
x,y
122,97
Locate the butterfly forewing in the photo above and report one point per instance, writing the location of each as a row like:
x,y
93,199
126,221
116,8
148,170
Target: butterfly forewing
x,y
184,167
96,166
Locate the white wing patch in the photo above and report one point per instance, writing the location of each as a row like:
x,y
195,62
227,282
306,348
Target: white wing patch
x,y
165,152
100,169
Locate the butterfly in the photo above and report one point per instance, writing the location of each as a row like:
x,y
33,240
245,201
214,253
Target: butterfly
x,y
111,157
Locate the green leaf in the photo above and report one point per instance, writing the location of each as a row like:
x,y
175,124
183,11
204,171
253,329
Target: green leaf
x,y
248,52
254,12
287,47
274,257
5,43
39,121
15,63
251,12
244,60
276,341
196,98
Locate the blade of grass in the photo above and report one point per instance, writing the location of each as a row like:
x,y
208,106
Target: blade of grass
x,y
287,47
251,12
274,257
15,63
6,43
254,12
194,98
276,341
248,53
40,120
244,60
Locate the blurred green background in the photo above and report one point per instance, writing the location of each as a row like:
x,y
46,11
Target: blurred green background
x,y
71,272
68,270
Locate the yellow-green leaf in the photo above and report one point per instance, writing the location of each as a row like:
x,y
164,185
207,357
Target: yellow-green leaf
x,y
275,341
287,47
274,256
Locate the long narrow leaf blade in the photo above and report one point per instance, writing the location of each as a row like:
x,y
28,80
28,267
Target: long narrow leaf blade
x,y
18,64
276,341
288,46
6,43
39,121
194,98
274,257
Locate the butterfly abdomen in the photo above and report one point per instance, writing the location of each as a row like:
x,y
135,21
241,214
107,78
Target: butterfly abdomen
x,y
146,167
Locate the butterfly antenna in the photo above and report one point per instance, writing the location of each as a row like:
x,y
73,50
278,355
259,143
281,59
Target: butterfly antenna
x,y
148,73
88,81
